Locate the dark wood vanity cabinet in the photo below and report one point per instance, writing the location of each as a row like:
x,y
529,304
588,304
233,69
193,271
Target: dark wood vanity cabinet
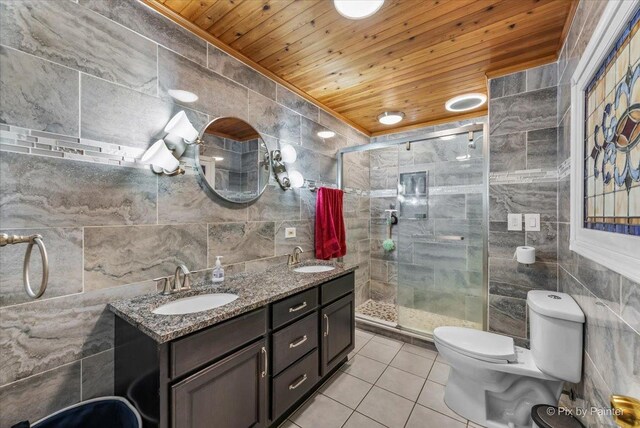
x,y
250,371
338,336
231,392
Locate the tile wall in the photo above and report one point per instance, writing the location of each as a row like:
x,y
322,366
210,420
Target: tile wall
x,y
610,301
84,91
522,179
530,177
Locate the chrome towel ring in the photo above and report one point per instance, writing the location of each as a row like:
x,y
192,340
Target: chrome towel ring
x,y
31,240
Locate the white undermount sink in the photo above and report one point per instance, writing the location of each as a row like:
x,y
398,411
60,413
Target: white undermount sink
x,y
190,305
314,269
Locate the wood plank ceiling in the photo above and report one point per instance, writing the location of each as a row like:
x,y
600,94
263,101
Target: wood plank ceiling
x,y
412,55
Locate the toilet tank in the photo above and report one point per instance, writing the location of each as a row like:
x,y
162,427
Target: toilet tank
x,y
556,333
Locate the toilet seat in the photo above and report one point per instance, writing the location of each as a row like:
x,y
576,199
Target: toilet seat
x,y
481,345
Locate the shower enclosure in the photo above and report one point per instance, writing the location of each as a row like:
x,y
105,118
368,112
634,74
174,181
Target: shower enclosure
x,y
428,229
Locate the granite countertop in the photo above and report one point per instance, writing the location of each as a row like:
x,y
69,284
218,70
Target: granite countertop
x,y
254,290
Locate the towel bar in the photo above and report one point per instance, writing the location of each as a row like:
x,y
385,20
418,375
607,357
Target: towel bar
x,y
31,240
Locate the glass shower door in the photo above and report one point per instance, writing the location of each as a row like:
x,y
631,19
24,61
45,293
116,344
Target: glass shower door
x,y
442,233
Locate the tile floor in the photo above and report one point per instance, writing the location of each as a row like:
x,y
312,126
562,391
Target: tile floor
x,y
385,383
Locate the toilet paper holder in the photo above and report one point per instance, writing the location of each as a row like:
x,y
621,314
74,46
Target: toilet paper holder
x,y
525,255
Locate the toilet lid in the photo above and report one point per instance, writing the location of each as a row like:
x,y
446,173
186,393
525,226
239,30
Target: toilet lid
x,y
478,344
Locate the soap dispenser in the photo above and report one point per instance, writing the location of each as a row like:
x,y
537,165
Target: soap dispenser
x,y
218,272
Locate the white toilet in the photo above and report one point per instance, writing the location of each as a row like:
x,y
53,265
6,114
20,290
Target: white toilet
x,y
494,383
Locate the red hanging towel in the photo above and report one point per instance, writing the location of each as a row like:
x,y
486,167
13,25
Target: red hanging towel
x,y
330,233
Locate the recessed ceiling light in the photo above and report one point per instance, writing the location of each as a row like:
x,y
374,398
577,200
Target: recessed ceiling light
x,y
218,158
448,137
465,102
184,96
326,134
357,9
390,117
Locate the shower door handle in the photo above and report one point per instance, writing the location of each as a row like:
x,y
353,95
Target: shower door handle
x,y
440,237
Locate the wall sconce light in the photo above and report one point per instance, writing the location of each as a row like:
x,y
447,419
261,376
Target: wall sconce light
x,y
288,153
163,155
180,126
296,179
279,170
286,179
161,159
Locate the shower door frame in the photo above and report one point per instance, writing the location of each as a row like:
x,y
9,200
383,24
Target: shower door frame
x,y
485,201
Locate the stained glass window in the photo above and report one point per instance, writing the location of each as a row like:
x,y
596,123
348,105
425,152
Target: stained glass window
x,y
612,139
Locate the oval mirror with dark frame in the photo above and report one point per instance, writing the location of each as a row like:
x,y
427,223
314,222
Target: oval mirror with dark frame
x,y
233,160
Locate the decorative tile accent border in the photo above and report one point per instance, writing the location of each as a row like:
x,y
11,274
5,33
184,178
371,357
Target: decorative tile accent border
x,y
21,140
455,190
523,176
436,190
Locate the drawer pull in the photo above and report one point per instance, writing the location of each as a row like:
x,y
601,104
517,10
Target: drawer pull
x,y
326,318
302,380
265,361
298,308
298,342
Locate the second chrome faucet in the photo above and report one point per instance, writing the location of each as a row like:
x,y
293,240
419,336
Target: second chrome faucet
x,y
180,281
294,258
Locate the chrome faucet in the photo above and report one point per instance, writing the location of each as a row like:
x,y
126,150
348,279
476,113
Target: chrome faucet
x,y
185,284
294,258
173,284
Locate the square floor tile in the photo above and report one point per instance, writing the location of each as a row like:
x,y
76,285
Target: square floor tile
x,y
364,334
358,420
422,417
439,373
288,424
360,342
321,412
364,368
378,351
387,341
441,359
432,396
401,383
346,389
412,363
419,350
385,407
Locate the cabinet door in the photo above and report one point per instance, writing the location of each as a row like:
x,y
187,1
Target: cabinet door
x,y
338,332
228,394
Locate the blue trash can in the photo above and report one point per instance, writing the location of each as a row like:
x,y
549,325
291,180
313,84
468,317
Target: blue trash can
x,y
102,412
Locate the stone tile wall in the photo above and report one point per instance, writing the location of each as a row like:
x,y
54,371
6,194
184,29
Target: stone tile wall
x,y
523,179
610,301
84,91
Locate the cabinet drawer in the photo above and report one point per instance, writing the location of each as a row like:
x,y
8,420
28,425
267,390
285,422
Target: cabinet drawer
x,y
293,383
198,349
337,288
294,307
294,341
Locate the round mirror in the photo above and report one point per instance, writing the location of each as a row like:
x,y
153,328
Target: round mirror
x,y
233,160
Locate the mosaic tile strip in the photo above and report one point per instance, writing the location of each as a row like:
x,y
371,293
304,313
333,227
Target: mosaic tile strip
x,y
523,176
21,140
